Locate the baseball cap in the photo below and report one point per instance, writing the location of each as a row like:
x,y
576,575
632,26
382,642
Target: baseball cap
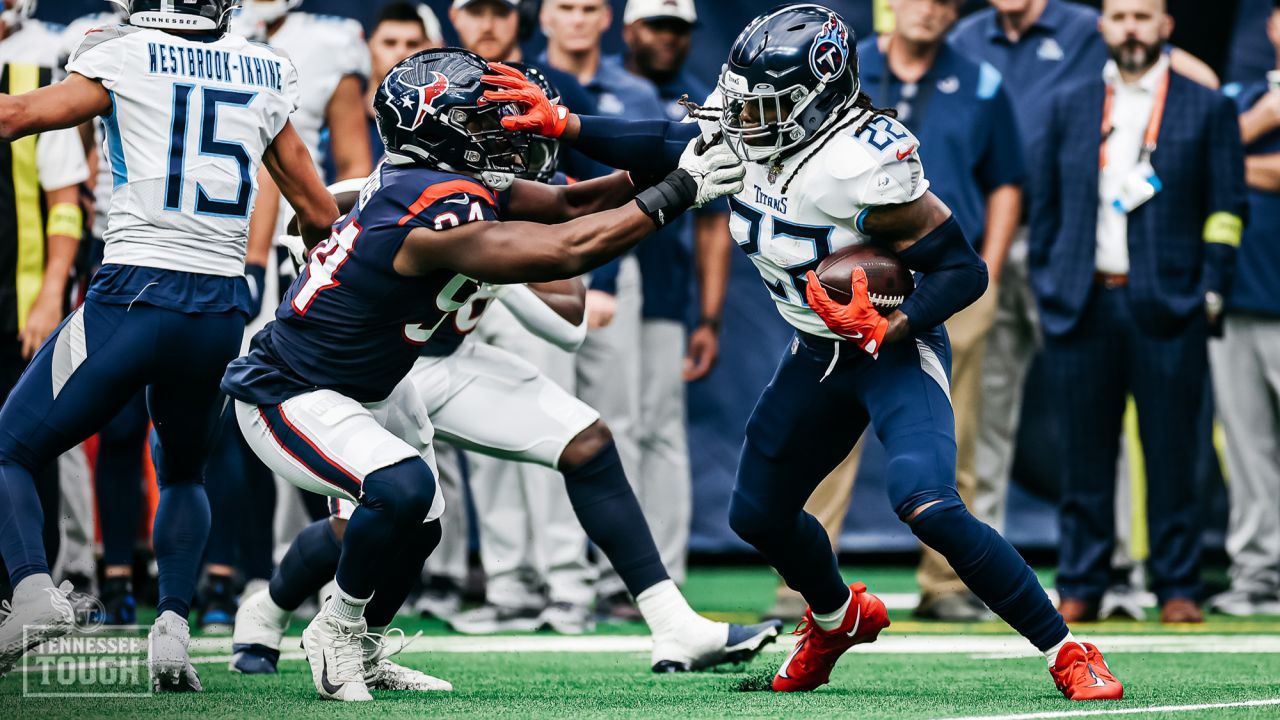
x,y
459,4
654,9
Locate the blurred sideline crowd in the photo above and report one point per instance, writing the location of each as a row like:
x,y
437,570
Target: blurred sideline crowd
x,y
1043,124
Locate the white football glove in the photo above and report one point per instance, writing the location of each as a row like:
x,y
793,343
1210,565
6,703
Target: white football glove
x,y
714,167
297,250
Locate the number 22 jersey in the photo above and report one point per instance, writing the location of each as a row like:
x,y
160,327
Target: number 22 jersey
x,y
191,118
350,322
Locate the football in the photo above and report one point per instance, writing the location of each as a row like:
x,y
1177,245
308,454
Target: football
x,y
889,282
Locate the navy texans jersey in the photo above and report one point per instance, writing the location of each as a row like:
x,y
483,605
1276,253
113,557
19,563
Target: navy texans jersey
x,y
350,323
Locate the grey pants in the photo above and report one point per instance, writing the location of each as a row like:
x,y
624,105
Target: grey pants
x,y
665,488
1246,381
1012,343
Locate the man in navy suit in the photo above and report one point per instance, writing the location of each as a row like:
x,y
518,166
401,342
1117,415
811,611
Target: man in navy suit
x,y
1137,207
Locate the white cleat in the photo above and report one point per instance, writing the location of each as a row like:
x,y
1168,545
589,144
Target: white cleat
x,y
708,644
380,673
333,648
255,642
167,658
47,616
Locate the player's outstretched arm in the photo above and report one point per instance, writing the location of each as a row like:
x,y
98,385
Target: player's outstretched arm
x,y
515,252
544,203
927,238
290,165
652,147
65,104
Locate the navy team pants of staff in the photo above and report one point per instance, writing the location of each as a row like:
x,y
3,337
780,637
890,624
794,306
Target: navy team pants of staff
x,y
81,377
817,406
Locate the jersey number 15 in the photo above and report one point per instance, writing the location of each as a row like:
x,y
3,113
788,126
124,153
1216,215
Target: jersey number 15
x,y
211,100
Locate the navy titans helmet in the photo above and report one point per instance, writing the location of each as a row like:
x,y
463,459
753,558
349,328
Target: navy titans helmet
x,y
790,71
544,153
431,111
197,15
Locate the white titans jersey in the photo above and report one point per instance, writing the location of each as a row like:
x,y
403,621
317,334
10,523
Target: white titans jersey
x,y
190,124
788,235
324,49
71,37
34,43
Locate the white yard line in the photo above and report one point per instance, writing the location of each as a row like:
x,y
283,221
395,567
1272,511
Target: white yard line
x,y
983,646
1127,711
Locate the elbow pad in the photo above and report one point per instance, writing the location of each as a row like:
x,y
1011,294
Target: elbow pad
x,y
954,276
541,320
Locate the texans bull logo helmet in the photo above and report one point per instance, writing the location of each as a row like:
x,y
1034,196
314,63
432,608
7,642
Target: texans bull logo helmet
x,y
431,111
790,72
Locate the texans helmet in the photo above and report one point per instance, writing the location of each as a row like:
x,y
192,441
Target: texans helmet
x,y
790,71
544,153
431,111
197,15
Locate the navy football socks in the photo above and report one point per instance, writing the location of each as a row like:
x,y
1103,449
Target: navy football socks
x,y
402,573
118,481
992,569
179,535
609,512
309,563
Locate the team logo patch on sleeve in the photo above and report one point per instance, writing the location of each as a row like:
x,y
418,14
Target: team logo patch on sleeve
x,y
830,50
414,100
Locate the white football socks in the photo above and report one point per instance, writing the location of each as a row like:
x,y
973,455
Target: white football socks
x,y
31,587
347,607
665,609
1052,653
834,619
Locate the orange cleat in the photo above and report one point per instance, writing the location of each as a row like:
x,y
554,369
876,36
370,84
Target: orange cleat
x,y
1081,673
809,665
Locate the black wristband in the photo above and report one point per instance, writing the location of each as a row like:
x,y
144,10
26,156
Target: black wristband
x,y
710,322
665,201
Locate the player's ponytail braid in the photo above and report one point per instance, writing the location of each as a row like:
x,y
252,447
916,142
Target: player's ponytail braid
x,y
866,112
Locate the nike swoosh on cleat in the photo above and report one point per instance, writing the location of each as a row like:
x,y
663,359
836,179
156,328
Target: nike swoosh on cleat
x,y
324,677
1097,681
782,671
856,623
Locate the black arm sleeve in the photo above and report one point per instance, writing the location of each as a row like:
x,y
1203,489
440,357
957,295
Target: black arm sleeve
x,y
649,147
954,276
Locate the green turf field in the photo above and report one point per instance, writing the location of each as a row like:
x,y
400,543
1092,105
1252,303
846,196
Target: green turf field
x,y
916,670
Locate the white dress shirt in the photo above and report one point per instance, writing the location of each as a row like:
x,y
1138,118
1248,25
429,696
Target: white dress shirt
x,y
1131,106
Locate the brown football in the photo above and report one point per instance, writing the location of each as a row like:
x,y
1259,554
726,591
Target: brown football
x,y
889,282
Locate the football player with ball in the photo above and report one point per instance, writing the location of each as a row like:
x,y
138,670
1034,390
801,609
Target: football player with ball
x,y
828,173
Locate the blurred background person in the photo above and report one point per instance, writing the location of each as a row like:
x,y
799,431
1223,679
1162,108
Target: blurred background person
x,y
402,29
41,225
532,548
964,121
1246,361
608,368
691,254
1128,258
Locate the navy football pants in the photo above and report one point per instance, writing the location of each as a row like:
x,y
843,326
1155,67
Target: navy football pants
x,y
81,377
821,399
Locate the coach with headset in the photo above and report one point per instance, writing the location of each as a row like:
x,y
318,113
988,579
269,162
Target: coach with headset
x,y
1137,205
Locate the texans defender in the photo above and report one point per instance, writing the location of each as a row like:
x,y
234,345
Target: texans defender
x,y
323,397
191,114
826,170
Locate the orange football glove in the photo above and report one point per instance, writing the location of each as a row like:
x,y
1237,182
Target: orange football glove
x,y
858,322
541,115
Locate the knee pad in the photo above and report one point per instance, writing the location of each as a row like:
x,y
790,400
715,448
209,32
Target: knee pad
x,y
404,490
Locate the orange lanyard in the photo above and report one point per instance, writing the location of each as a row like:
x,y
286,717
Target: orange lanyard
x,y
1153,125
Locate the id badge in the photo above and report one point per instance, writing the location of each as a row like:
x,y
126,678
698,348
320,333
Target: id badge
x,y
1141,185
